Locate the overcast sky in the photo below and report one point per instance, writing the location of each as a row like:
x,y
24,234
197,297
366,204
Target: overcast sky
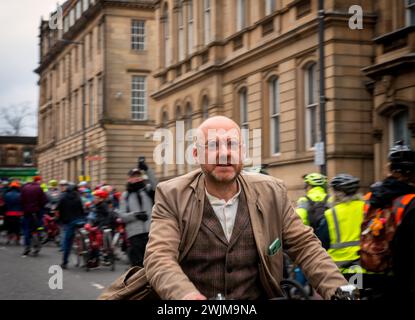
x,y
19,53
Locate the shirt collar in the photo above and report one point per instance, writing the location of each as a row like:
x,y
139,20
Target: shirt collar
x,y
214,200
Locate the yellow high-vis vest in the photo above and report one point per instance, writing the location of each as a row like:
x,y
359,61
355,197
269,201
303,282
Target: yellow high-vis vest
x,y
344,223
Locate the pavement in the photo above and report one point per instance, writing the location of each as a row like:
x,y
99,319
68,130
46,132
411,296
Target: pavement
x,y
29,278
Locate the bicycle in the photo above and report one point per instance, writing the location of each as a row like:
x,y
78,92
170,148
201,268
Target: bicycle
x,y
292,284
92,243
80,247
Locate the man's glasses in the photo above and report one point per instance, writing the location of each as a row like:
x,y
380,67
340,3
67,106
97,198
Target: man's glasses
x,y
214,145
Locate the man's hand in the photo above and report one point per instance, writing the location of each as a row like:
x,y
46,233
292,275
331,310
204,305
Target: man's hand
x,y
194,296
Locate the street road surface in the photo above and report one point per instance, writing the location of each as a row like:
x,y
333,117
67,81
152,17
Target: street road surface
x,y
28,278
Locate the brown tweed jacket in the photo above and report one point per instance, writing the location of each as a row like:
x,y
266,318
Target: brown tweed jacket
x,y
215,265
177,218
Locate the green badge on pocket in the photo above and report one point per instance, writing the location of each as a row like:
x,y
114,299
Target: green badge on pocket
x,y
274,247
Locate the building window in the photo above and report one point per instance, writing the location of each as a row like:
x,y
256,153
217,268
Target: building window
x,y
76,59
64,70
85,5
100,98
188,134
399,128
90,45
205,107
243,109
138,98
91,102
11,157
410,12
180,35
164,123
274,100
71,17
99,38
78,10
190,26
76,112
269,6
27,157
311,103
207,22
65,24
166,40
138,35
58,74
303,8
240,14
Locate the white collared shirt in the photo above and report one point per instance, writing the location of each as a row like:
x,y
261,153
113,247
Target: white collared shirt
x,y
225,211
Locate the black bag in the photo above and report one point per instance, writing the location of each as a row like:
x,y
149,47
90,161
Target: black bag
x,y
316,211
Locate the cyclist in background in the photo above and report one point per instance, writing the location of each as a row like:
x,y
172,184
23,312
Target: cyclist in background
x,y
312,206
33,202
71,215
341,228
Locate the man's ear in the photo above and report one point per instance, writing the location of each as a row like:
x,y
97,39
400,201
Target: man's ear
x,y
195,155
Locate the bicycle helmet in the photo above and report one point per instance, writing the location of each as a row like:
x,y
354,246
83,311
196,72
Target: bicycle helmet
x,y
315,179
63,183
101,194
401,158
345,183
53,183
83,184
14,184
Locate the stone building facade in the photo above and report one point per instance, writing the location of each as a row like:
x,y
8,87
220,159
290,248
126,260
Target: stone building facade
x,y
255,61
95,79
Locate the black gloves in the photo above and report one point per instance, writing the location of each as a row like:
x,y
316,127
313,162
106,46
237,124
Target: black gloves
x,y
142,216
142,166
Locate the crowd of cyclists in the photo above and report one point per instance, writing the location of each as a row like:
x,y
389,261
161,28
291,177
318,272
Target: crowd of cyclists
x,y
372,234
369,234
54,211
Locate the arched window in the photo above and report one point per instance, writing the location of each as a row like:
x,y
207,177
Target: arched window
x,y
188,117
311,104
205,108
207,21
240,14
189,136
164,124
179,141
269,6
399,127
180,32
410,12
178,113
190,26
243,109
274,106
166,36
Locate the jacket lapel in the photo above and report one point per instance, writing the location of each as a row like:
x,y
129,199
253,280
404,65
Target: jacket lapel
x,y
194,216
241,219
212,222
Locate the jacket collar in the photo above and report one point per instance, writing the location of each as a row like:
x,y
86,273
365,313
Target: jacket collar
x,y
252,197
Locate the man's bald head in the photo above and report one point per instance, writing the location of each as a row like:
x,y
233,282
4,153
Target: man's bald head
x,y
216,123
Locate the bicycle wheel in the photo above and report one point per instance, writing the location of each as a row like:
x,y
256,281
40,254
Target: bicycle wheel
x,y
294,290
109,249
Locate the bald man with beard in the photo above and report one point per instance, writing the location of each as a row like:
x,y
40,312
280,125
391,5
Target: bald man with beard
x,y
215,230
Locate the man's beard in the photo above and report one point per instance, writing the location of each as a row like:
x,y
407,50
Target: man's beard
x,y
219,179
